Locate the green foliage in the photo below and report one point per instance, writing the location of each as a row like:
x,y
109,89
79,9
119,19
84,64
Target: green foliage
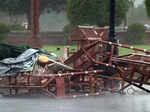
x,y
95,12
4,29
16,7
16,27
136,34
2,38
68,29
147,4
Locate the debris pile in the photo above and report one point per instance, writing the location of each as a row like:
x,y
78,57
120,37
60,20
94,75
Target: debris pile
x,y
94,69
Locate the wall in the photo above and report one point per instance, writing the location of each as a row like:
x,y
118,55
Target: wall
x,y
55,38
122,35
48,38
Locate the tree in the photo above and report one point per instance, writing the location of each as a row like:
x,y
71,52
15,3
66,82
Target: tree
x,y
137,14
16,7
147,4
136,34
95,12
4,29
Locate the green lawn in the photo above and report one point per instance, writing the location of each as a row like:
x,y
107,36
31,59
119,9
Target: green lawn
x,y
58,50
123,51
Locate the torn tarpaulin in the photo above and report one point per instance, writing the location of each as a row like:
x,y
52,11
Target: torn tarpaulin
x,y
24,62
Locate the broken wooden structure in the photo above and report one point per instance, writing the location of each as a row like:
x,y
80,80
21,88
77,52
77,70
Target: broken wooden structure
x,y
91,70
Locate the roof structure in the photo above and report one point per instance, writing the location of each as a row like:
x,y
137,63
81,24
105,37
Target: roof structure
x,y
85,32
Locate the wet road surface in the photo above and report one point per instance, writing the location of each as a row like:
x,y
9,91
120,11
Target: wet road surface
x,y
107,103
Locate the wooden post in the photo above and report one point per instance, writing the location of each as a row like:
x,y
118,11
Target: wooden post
x,y
60,87
34,41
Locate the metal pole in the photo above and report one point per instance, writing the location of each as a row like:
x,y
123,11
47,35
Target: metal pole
x,y
112,21
112,25
34,41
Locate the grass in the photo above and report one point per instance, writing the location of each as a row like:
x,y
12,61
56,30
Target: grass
x,y
123,51
58,50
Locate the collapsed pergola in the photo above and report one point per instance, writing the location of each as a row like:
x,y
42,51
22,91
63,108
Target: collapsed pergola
x,y
95,68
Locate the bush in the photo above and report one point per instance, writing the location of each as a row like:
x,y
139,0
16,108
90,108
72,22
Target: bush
x,y
136,34
68,29
16,27
4,29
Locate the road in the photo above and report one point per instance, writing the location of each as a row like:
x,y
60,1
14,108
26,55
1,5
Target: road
x,y
107,103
